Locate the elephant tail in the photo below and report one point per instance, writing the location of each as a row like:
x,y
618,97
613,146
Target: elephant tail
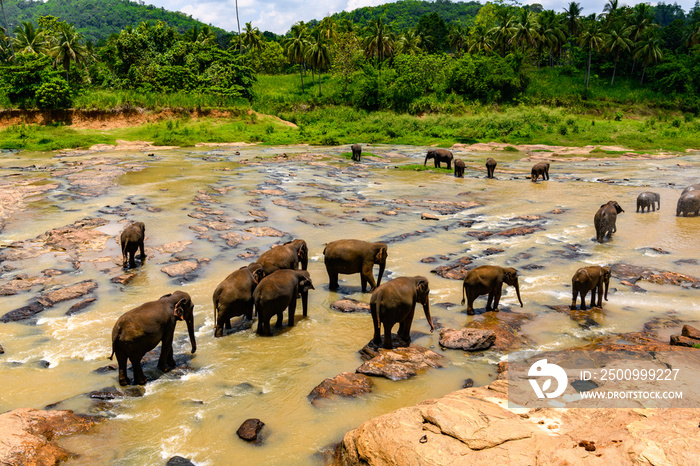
x,y
464,289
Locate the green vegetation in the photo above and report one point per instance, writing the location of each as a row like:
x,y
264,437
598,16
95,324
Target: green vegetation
x,y
422,168
348,155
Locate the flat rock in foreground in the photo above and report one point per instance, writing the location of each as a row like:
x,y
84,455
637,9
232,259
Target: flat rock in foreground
x,y
400,363
468,339
345,384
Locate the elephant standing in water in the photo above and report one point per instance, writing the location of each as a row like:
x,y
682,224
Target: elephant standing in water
x,y
439,156
395,301
141,329
490,167
287,256
131,241
604,220
348,256
649,201
279,291
488,279
459,168
356,152
234,297
688,203
592,279
540,169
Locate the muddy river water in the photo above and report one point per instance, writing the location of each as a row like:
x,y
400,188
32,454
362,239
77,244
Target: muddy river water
x,y
216,211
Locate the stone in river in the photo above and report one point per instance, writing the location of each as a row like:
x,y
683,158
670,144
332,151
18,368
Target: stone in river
x,y
249,429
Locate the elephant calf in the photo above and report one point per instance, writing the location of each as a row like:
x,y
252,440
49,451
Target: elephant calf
x,y
592,279
348,256
490,167
395,301
131,241
605,219
459,168
234,297
141,329
488,279
649,201
356,152
277,292
540,169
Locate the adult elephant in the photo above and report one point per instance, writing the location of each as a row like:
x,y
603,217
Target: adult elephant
x,y
593,279
395,302
234,296
649,201
604,220
439,156
287,256
459,168
692,187
490,167
277,292
141,329
540,169
348,256
488,279
131,241
688,203
356,152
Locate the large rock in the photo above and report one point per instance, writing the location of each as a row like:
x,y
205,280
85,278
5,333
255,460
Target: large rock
x,y
690,332
634,273
456,270
506,325
345,384
249,430
399,363
474,426
350,305
49,299
28,436
468,339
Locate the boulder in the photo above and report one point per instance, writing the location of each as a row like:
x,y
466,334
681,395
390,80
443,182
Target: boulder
x,y
346,384
234,239
179,461
111,393
264,231
399,363
586,318
506,325
680,340
350,305
123,279
249,430
77,307
28,436
456,270
49,299
634,273
519,231
690,332
181,268
428,216
468,339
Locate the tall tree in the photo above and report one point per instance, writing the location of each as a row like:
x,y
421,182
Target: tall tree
x,y
572,12
251,37
295,47
29,39
525,34
591,39
457,37
503,31
551,35
408,43
616,42
68,48
480,40
318,53
379,41
648,51
240,44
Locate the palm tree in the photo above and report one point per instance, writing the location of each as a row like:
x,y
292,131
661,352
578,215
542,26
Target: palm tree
x,y
408,43
457,37
525,34
7,28
240,44
591,39
573,22
68,47
648,51
378,42
616,42
610,10
29,39
503,32
550,31
295,47
329,28
197,35
479,40
251,37
318,54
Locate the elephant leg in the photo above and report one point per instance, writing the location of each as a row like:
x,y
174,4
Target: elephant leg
x,y
166,360
574,296
227,324
375,321
583,299
280,318
593,291
292,309
332,280
366,277
470,302
122,360
600,295
449,165
132,262
388,344
139,377
143,253
497,298
248,311
304,303
489,301
405,327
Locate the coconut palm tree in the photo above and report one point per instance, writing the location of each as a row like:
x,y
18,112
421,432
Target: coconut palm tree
x,y
611,10
378,42
572,13
29,39
329,28
479,40
525,34
68,47
616,42
591,39
295,47
648,51
197,35
408,43
251,37
551,35
503,32
457,37
318,53
6,29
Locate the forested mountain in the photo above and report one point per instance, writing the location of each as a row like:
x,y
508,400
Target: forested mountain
x,y
98,19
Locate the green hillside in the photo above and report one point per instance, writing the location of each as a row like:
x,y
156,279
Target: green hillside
x,y
98,19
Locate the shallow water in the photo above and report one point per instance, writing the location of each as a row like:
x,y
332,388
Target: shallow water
x,y
194,412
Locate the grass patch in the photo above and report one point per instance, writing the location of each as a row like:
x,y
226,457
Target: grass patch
x,y
422,168
348,155
510,149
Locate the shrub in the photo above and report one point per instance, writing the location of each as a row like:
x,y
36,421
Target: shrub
x,y
53,93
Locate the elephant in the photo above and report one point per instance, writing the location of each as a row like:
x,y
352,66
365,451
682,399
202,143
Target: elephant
x,y
234,296
692,187
459,168
141,329
287,256
348,256
490,167
439,155
132,240
356,152
277,292
604,220
488,279
395,301
648,200
688,203
540,169
591,279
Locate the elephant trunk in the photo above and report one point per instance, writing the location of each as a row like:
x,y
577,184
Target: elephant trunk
x,y
426,309
190,330
426,160
381,272
517,292
607,285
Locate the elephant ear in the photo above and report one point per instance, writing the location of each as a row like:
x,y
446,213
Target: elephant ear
x,y
303,251
381,255
179,311
258,274
422,289
618,208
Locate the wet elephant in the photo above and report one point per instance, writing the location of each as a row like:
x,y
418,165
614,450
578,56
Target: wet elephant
x,y
234,297
649,201
604,220
490,167
349,256
594,279
540,169
488,279
141,329
356,152
459,168
692,187
688,203
439,156
279,291
395,302
131,240
287,256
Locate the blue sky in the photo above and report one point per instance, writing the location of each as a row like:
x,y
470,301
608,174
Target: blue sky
x,y
279,15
